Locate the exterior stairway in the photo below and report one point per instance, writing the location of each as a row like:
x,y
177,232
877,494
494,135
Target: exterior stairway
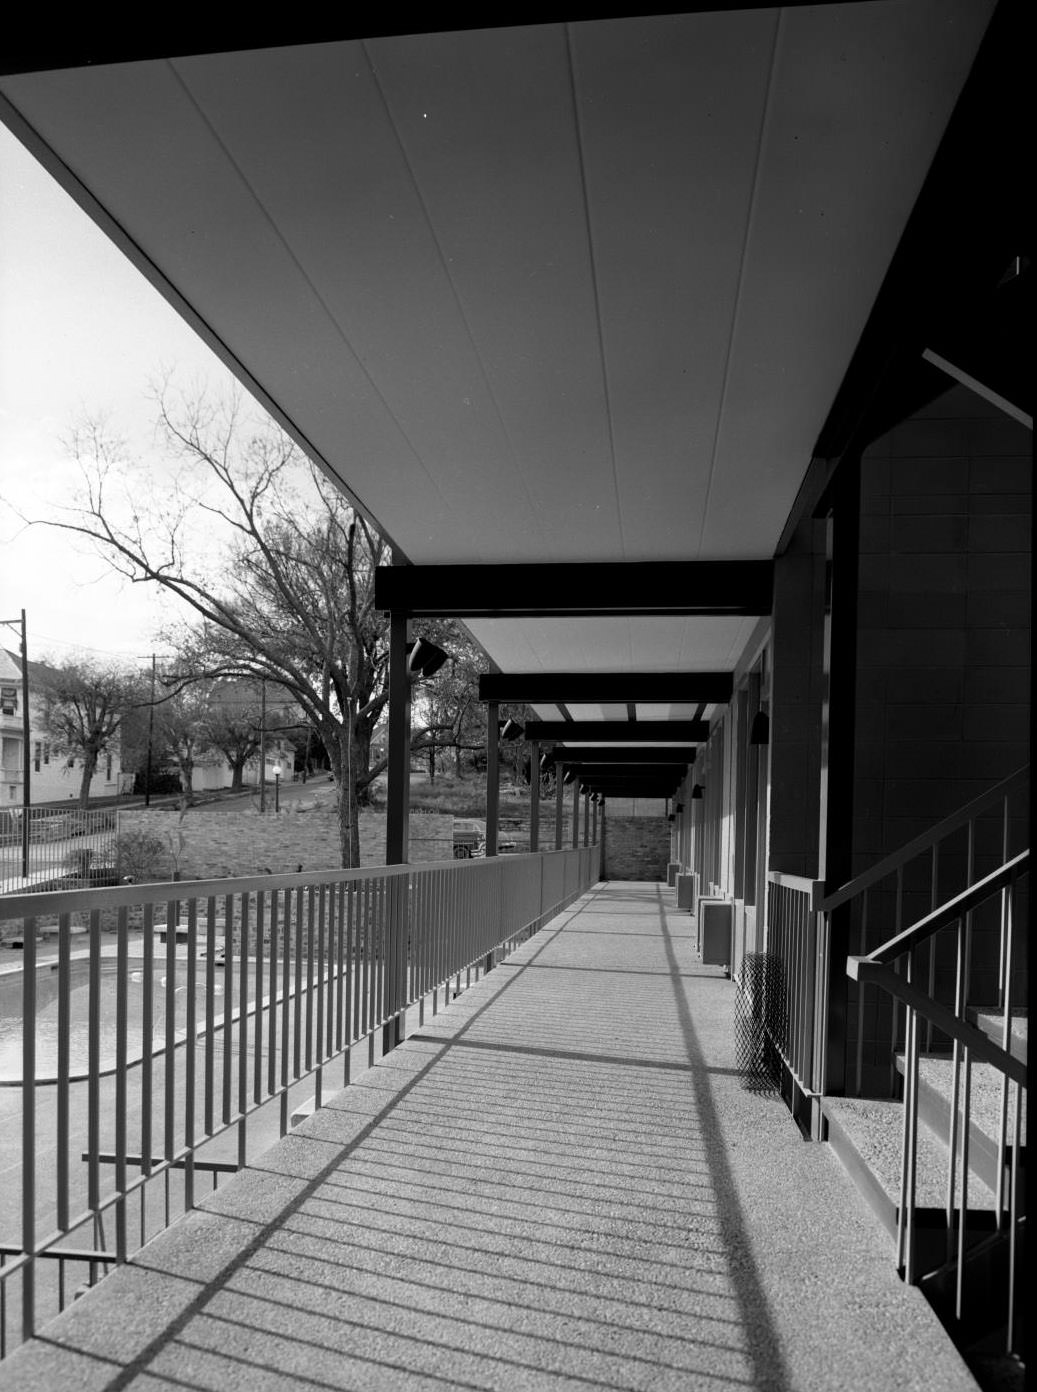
x,y
867,1136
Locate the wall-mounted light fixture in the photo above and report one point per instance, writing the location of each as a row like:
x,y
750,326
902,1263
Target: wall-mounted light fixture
x,y
697,791
424,658
569,776
511,730
760,733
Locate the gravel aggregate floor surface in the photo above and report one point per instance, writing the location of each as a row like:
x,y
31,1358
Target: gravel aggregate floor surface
x,y
560,1181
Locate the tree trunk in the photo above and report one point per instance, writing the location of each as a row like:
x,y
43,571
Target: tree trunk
x,y
186,767
89,769
237,773
344,763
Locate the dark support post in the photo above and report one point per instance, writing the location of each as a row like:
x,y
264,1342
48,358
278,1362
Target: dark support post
x,y
492,777
397,826
576,811
559,788
397,823
837,751
586,817
534,796
594,821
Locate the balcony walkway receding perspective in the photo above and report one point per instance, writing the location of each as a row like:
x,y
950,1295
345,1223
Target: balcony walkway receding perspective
x,y
559,1180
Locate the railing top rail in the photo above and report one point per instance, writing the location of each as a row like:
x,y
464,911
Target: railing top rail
x,y
863,969
925,842
953,909
813,889
61,901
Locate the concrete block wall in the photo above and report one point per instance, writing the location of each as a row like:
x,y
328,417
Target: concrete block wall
x,y
214,842
636,848
942,698
943,618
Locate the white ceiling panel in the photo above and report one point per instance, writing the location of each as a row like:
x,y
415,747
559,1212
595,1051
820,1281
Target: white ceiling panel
x,y
556,292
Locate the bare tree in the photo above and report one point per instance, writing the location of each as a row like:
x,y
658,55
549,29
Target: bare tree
x,y
233,725
82,704
275,566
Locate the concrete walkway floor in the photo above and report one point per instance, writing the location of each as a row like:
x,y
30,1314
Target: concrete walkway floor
x,y
558,1182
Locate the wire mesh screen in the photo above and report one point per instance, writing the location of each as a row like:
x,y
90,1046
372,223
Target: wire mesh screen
x,y
760,1021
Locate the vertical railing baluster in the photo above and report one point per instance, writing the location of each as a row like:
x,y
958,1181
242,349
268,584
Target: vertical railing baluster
x,y
147,1032
317,974
230,914
122,984
963,1166
300,941
1008,900
1013,1221
258,980
859,1042
62,1133
952,1140
29,1069
271,1013
242,1122
210,1013
311,901
94,1070
190,1056
286,1006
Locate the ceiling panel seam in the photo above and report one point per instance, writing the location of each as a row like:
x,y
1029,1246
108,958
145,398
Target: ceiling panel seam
x,y
736,307
534,507
318,297
585,193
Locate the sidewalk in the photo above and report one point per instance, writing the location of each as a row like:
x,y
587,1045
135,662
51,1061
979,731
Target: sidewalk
x,y
559,1182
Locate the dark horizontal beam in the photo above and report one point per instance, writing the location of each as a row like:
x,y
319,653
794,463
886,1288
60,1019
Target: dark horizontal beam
x,y
659,756
633,789
573,590
605,688
616,731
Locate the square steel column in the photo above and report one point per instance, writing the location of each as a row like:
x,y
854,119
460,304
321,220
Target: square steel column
x,y
492,776
576,811
586,819
397,818
534,795
559,788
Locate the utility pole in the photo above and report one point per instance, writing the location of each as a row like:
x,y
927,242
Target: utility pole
x,y
26,783
151,736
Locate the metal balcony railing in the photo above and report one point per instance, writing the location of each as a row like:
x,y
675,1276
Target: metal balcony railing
x,y
902,968
164,1019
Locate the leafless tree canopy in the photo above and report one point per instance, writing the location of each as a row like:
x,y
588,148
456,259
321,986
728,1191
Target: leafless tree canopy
x,y
275,567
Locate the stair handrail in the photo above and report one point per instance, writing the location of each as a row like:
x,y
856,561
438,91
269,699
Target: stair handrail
x,y
980,1045
949,911
924,842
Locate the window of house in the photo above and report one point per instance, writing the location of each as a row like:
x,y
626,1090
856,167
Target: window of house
x,y
37,755
108,770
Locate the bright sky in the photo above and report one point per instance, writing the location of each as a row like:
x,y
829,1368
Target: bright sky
x,y
81,332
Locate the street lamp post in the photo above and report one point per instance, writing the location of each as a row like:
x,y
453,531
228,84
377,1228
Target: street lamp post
x,y
277,787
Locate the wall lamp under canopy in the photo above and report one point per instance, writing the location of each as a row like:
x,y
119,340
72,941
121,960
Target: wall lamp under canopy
x,y
697,792
424,658
511,730
760,733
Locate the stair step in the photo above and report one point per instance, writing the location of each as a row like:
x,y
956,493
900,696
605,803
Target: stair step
x,y
867,1135
935,1087
992,1023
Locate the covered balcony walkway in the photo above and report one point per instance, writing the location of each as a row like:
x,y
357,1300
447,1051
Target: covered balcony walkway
x,y
561,1180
